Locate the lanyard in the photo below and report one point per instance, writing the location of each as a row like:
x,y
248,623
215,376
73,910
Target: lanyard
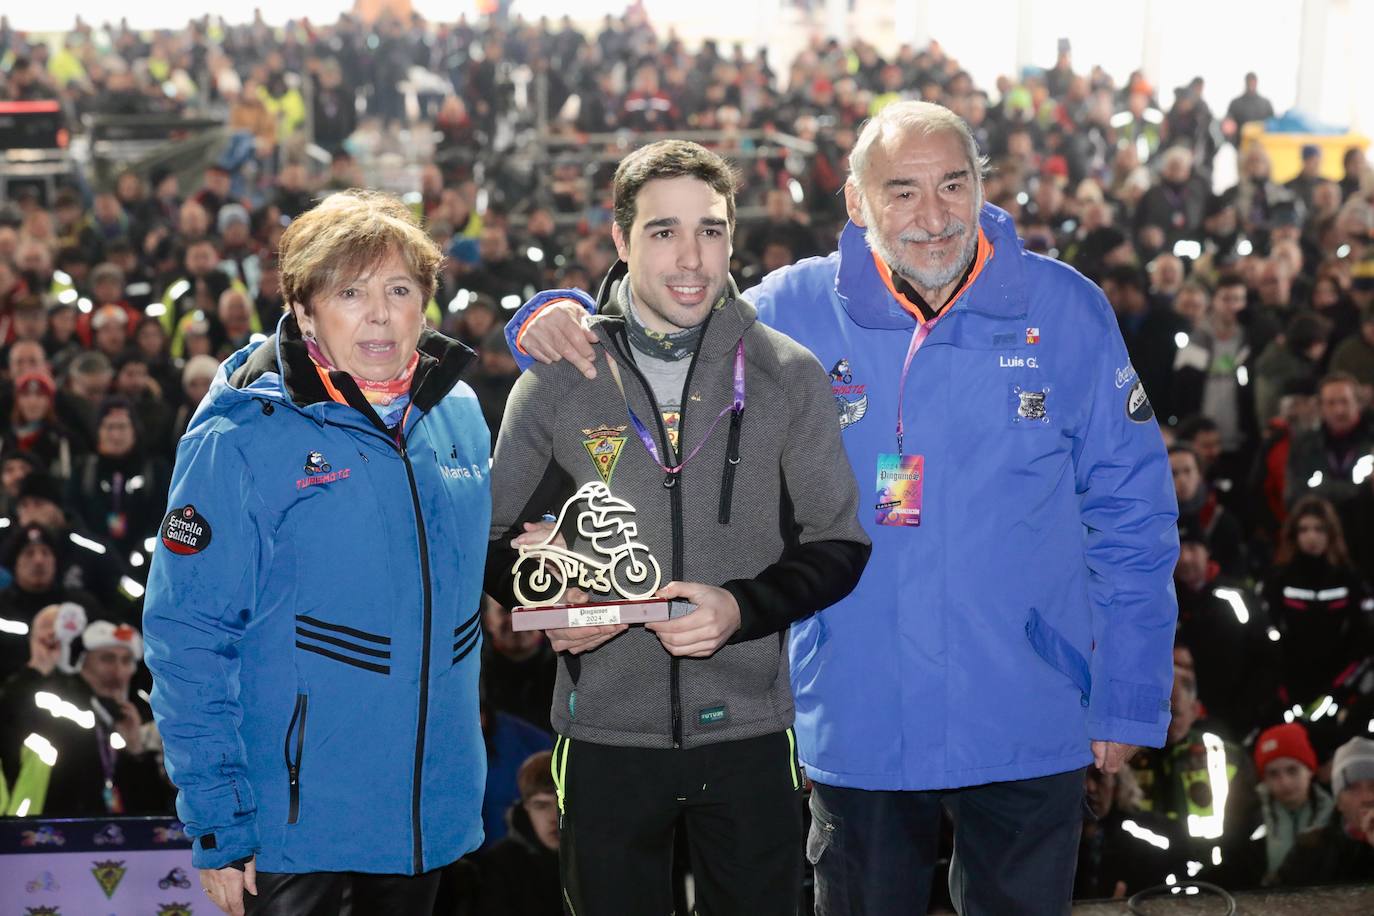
x,y
918,337
737,405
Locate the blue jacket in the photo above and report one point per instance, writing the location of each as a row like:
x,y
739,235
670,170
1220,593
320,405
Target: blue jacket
x,y
312,619
1032,611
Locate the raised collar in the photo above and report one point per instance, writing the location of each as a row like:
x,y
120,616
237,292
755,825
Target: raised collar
x,y
995,288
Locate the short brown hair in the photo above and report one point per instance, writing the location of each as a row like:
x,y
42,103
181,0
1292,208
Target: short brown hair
x,y
535,776
347,235
670,159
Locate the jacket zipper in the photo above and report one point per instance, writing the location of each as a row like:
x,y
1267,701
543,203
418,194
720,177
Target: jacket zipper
x,y
424,654
675,498
399,444
293,765
727,475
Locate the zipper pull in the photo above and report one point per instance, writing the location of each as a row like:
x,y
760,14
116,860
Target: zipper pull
x,y
294,772
670,481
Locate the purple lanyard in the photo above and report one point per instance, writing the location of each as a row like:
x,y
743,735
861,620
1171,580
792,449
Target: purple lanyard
x,y
737,405
918,337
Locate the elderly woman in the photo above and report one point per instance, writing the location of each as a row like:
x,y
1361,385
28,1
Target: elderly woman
x,y
312,609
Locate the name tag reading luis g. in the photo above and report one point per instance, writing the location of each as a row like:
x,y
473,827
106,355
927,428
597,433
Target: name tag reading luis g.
x,y
900,480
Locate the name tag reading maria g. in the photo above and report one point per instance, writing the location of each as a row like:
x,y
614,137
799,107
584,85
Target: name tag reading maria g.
x,y
898,490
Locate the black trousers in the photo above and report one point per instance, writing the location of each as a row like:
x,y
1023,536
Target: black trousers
x,y
1015,848
741,805
322,894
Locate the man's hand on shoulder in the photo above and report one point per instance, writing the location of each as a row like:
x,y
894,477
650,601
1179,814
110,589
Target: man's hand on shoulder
x,y
559,331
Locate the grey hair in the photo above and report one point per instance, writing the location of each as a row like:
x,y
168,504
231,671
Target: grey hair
x,y
923,119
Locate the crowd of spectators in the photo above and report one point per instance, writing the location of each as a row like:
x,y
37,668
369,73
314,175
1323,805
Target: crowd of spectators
x,y
1248,314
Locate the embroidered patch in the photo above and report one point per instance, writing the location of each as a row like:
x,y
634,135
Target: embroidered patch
x,y
712,716
315,463
1138,405
321,479
108,875
1030,405
850,400
1032,335
604,445
185,531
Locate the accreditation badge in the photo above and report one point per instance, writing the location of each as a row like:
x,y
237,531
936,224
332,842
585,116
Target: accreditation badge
x,y
899,484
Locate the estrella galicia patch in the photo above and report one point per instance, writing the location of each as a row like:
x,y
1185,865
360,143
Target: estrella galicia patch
x,y
1030,405
185,531
1138,404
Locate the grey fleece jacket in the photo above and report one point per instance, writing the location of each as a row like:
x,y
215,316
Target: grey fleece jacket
x,y
778,529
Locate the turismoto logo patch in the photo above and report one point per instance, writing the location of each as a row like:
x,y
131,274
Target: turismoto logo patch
x,y
851,400
185,531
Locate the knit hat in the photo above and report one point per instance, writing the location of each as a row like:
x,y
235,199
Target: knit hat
x,y
1289,741
230,214
1354,761
40,486
101,634
109,314
34,382
23,538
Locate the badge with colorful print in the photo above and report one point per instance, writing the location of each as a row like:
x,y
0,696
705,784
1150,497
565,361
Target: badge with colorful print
x,y
901,480
1030,405
1138,404
1032,335
604,445
185,531
108,875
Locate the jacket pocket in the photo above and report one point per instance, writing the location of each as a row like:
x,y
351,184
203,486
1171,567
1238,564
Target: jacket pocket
x,y
294,749
1059,653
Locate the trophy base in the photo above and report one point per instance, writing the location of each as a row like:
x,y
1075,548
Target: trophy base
x,y
597,614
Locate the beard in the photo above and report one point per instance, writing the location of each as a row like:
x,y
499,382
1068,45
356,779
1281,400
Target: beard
x,y
927,278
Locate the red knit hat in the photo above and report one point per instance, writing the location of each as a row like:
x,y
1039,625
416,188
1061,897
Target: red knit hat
x,y
33,382
1288,740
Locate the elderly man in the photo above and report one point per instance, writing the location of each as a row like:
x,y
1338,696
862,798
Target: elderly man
x,y
1015,623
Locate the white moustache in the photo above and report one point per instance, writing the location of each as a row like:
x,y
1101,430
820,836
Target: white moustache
x,y
954,230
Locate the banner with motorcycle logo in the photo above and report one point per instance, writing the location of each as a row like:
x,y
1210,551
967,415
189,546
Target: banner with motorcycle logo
x,y
126,866
612,562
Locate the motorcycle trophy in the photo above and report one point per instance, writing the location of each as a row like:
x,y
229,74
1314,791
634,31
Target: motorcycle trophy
x,y
619,565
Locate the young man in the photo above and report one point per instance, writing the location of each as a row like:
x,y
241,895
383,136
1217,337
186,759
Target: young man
x,y
724,437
